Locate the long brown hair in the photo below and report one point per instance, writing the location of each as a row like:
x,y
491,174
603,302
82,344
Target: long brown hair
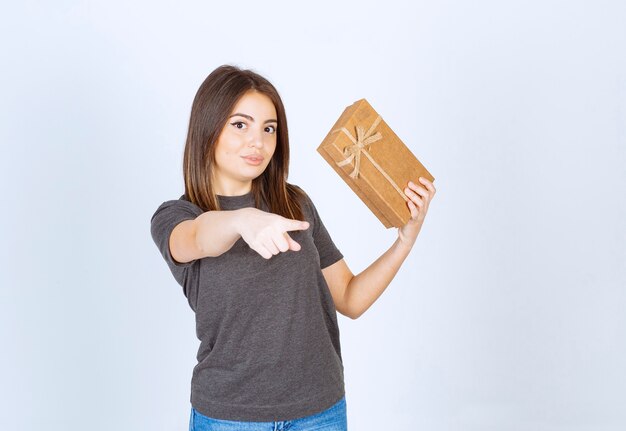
x,y
213,103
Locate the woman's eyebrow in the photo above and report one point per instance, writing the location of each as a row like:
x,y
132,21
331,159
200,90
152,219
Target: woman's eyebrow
x,y
249,117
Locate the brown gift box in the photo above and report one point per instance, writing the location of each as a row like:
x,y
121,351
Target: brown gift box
x,y
373,161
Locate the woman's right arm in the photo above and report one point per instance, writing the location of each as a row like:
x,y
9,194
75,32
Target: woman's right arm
x,y
215,232
210,234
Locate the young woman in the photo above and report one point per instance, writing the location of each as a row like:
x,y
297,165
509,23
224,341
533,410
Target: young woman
x,y
260,270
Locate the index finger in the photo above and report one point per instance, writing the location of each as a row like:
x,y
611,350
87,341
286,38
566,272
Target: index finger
x,y
427,183
296,225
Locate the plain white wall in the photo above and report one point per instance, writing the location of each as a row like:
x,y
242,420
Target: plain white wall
x,y
509,314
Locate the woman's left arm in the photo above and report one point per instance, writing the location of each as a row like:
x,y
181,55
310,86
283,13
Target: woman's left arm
x,y
354,294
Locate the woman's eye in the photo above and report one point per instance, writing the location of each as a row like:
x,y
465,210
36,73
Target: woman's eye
x,y
270,129
239,124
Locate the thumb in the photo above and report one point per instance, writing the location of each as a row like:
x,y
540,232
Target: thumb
x,y
293,246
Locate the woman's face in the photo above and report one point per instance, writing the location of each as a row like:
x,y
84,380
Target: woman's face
x,y
245,145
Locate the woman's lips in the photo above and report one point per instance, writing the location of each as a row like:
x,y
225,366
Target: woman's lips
x,y
253,160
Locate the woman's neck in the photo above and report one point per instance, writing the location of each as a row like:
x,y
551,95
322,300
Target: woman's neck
x,y
231,189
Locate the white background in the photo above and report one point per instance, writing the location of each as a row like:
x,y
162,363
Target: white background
x,y
510,312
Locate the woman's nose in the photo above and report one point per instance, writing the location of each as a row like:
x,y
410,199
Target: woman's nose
x,y
256,140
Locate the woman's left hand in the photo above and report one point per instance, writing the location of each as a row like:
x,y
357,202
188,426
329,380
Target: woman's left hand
x,y
420,197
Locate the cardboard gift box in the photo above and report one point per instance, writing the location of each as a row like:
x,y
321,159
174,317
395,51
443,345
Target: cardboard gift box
x,y
373,161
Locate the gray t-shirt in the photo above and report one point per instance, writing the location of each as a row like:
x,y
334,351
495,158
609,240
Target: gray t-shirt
x,y
269,339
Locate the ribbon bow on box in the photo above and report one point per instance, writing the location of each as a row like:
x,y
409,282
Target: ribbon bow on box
x,y
353,152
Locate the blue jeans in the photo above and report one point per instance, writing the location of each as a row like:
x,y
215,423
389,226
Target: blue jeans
x,y
332,419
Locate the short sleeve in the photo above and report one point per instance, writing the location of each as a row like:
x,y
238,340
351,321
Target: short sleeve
x,y
326,248
166,217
